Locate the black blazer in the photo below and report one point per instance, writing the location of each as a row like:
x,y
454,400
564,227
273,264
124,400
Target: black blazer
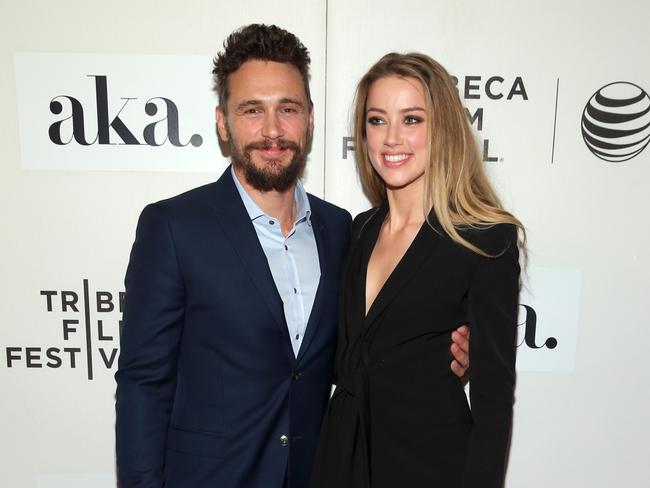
x,y
399,415
209,392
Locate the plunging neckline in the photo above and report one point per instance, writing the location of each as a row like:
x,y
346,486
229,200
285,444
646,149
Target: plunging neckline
x,y
398,265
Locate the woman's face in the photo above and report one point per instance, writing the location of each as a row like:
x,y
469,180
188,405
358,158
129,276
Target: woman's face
x,y
396,131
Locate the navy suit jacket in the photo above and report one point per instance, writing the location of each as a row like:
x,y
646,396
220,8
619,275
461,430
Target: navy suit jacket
x,y
207,383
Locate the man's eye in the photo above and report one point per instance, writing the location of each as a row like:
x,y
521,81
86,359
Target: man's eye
x,y
288,110
375,120
253,111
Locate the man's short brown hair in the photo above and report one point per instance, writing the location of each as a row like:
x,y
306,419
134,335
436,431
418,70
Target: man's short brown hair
x,y
261,42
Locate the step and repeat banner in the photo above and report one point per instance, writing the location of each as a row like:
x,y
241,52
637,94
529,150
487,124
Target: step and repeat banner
x,y
109,107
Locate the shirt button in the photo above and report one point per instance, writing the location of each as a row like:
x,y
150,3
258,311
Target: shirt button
x,y
286,248
284,440
271,222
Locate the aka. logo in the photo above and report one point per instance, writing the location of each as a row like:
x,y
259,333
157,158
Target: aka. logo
x,y
73,123
616,122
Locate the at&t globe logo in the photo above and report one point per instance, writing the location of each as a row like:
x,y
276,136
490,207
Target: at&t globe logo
x,y
616,122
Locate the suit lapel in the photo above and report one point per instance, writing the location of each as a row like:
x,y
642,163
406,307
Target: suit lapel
x,y
320,231
422,247
368,238
237,226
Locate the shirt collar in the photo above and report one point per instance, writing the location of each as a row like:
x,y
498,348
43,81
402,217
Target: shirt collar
x,y
303,209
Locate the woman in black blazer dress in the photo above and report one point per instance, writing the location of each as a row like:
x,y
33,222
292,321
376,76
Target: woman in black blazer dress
x,y
438,251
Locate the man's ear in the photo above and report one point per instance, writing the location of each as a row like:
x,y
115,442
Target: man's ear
x,y
222,125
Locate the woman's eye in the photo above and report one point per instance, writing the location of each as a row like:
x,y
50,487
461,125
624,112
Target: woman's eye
x,y
375,121
412,119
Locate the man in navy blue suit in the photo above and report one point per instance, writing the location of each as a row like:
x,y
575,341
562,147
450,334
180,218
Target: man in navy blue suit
x,y
231,296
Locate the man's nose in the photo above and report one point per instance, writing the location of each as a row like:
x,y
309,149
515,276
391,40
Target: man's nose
x,y
272,127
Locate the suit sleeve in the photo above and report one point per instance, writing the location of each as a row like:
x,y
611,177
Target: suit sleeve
x,y
146,377
493,305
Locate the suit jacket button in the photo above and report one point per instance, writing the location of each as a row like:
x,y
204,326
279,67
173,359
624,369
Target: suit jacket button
x,y
295,375
284,441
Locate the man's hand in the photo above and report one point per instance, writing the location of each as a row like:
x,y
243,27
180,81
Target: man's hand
x,y
460,350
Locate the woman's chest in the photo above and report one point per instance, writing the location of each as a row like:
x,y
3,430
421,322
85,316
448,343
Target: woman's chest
x,y
426,294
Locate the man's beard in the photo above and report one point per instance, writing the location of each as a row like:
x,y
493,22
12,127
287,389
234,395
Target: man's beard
x,y
272,175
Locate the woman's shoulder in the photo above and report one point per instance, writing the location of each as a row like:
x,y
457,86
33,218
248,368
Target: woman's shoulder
x,y
360,221
493,239
364,216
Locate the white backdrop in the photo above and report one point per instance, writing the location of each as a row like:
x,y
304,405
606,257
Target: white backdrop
x,y
69,210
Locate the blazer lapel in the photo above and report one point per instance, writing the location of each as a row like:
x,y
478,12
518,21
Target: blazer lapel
x,y
237,226
320,231
422,247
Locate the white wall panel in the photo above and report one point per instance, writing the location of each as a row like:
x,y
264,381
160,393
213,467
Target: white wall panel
x,y
582,425
69,212
581,405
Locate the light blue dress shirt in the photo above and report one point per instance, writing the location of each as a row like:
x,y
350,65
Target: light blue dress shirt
x,y
293,259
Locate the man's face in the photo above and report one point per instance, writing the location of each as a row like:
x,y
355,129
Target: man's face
x,y
269,124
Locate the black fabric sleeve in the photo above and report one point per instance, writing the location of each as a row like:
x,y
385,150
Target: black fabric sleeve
x,y
493,306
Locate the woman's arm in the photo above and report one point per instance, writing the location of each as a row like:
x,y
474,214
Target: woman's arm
x,y
493,306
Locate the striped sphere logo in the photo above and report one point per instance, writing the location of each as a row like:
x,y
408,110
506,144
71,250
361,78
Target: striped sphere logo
x,y
616,122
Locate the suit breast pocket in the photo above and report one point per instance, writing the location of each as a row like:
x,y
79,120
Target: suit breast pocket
x,y
205,444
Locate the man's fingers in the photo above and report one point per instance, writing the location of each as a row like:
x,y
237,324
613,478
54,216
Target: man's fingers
x,y
463,330
457,369
460,356
460,349
460,340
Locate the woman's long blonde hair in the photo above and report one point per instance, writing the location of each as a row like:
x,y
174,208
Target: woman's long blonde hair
x,y
456,186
